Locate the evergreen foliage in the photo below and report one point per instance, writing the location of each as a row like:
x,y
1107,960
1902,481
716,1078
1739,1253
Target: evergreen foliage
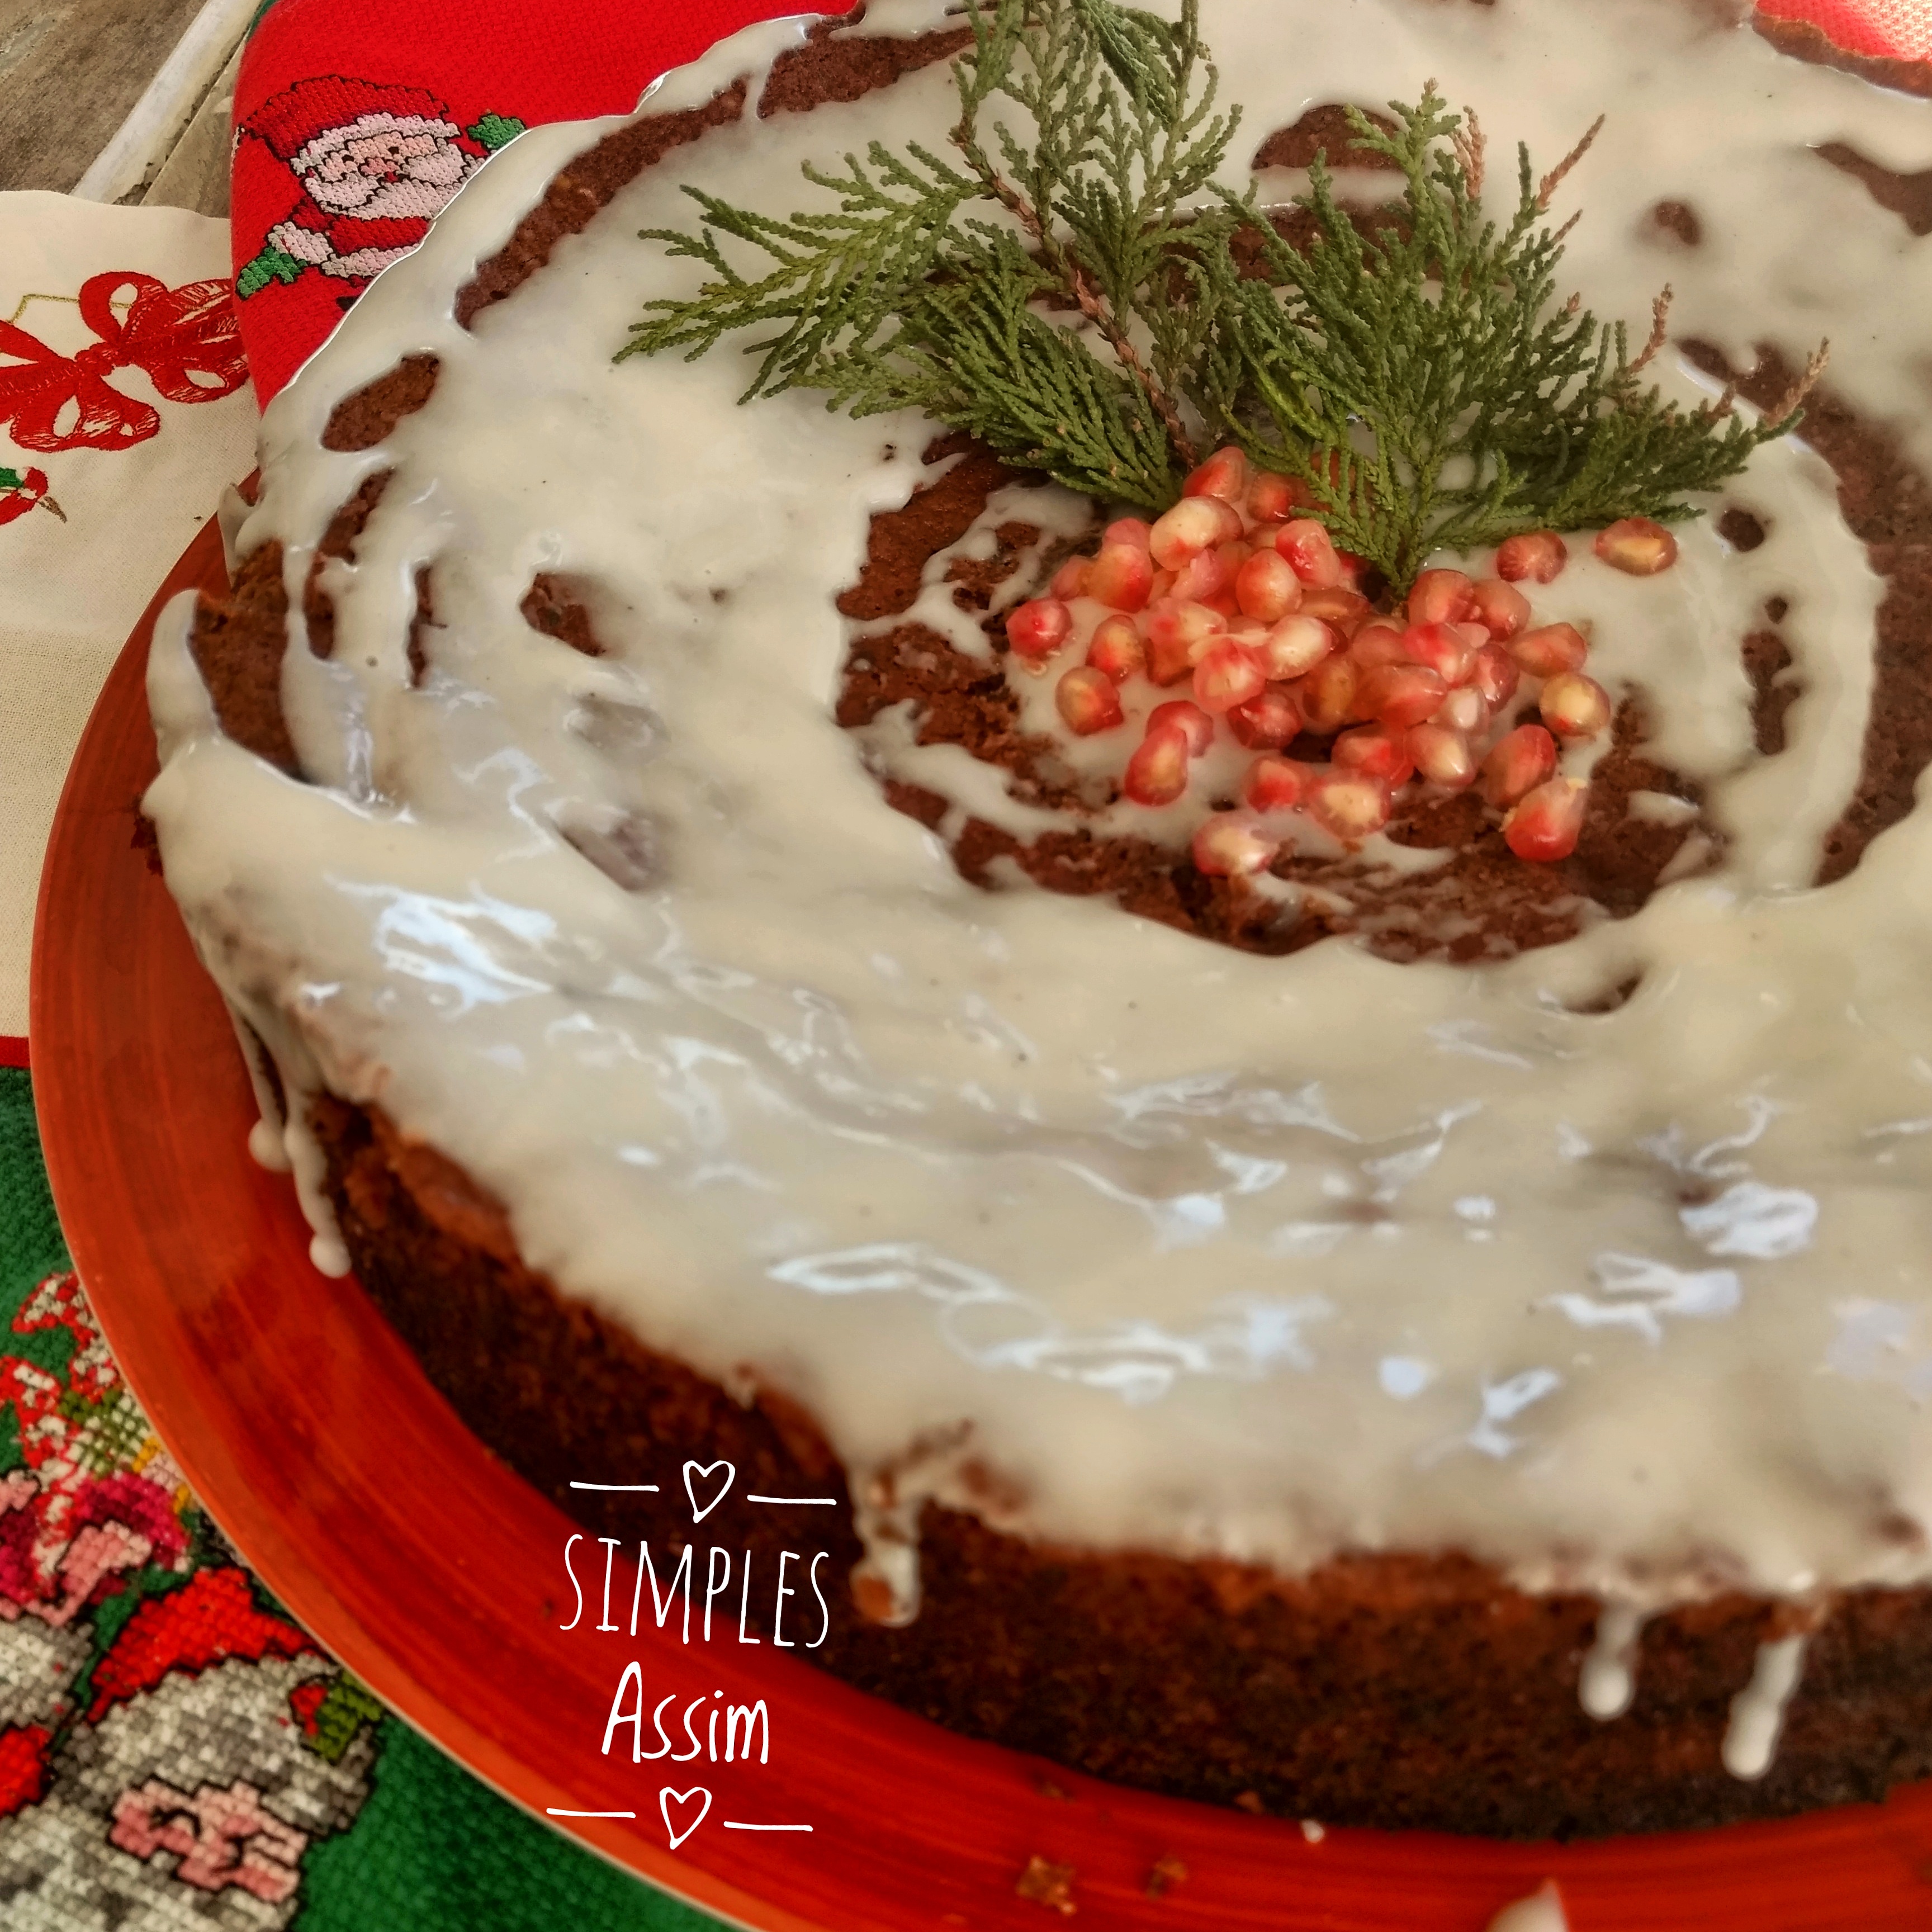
x,y
1090,302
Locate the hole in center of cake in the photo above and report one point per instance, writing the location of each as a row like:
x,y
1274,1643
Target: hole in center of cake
x,y
1221,721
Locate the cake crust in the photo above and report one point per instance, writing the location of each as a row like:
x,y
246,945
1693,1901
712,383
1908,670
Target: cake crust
x,y
1410,1691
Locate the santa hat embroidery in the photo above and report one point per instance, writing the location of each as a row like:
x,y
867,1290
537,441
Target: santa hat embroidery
x,y
313,118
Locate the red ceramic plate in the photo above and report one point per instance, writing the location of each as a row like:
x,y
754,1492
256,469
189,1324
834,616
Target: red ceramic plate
x,y
438,1577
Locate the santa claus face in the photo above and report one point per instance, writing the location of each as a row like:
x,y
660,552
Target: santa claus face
x,y
389,173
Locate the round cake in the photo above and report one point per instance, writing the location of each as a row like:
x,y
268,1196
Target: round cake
x,y
1408,1335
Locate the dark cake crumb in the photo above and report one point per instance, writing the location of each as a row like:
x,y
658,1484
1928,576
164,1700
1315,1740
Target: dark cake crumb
x,y
421,624
364,417
1677,219
1325,130
552,606
829,68
1166,1872
1908,197
1767,660
1046,1883
1739,528
1886,501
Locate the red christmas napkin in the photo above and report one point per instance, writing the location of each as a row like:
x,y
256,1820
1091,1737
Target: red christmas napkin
x,y
356,120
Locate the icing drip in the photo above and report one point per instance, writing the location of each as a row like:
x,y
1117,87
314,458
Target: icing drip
x,y
1609,1681
885,1580
1757,1712
1542,1912
1216,1253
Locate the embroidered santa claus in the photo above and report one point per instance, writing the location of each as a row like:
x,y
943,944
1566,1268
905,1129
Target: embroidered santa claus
x,y
376,165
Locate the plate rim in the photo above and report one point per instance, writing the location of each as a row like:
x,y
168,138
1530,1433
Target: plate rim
x,y
1352,1869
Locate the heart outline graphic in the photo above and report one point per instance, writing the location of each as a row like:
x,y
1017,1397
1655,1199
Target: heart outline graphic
x,y
664,1797
724,1489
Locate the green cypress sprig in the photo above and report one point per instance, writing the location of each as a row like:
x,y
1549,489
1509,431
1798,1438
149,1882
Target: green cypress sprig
x,y
1423,378
901,298
1091,303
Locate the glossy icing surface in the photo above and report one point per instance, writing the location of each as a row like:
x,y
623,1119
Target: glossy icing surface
x,y
1204,1252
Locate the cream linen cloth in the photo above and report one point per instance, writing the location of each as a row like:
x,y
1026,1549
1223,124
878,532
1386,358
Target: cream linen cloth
x,y
70,592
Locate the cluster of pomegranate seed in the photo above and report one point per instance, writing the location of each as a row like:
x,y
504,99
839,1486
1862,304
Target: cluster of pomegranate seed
x,y
1245,601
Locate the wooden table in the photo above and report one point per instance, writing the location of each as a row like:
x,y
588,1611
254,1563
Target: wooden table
x,y
73,72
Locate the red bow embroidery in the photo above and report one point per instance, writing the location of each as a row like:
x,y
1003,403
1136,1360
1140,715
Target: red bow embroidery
x,y
185,339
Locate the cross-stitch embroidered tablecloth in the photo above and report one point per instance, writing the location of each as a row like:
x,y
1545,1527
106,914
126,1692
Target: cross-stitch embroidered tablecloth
x,y
174,1752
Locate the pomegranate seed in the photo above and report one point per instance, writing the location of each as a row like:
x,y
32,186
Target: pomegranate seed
x,y
1194,524
1349,804
1464,710
1231,845
1224,475
1070,581
1275,784
1347,610
1177,633
1087,701
1295,646
1545,825
1574,705
1162,586
1441,597
1439,646
1228,674
1442,756
1274,498
1233,553
1179,714
1116,650
1306,544
1493,676
1376,644
1375,750
1122,577
1132,531
1399,695
1038,628
1500,607
1637,545
1267,722
1353,568
1330,694
1550,649
1267,587
1157,774
1203,575
1518,761
1536,557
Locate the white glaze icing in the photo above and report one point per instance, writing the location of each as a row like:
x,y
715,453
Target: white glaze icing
x,y
1541,1911
1608,1684
1204,1252
1757,1712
